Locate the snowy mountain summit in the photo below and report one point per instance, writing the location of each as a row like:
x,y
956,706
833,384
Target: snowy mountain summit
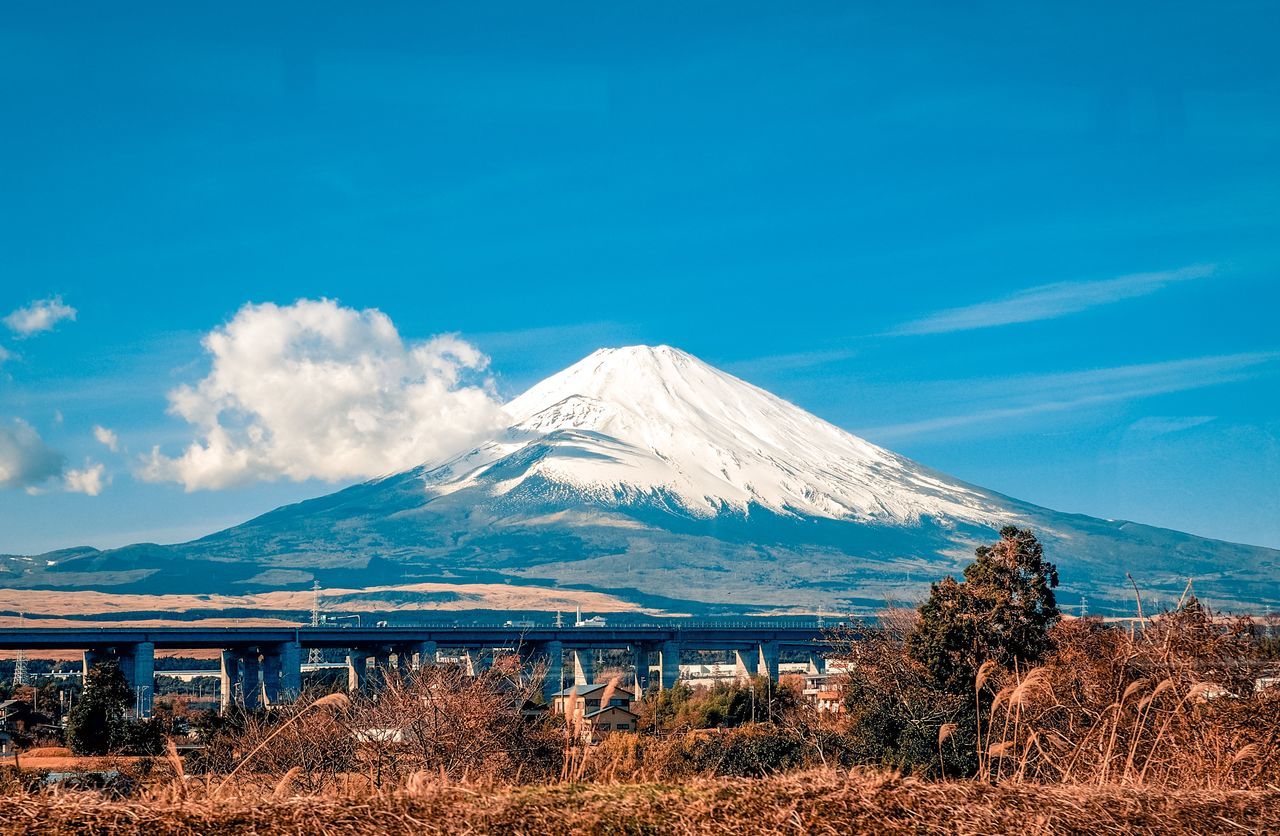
x,y
646,476
654,424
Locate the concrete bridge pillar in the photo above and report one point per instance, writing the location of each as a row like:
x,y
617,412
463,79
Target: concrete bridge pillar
x,y
404,662
252,683
138,664
271,671
476,660
92,657
290,671
228,679
747,663
640,669
426,655
669,664
817,664
769,660
357,670
381,668
584,663
553,680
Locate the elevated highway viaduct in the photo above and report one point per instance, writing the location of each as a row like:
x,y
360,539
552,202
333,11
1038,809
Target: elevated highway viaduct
x,y
263,665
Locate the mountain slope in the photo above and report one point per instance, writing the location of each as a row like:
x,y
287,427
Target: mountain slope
x,y
647,473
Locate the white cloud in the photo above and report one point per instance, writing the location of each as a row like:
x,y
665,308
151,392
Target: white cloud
x,y
317,390
88,480
4,354
106,437
25,460
1049,301
39,316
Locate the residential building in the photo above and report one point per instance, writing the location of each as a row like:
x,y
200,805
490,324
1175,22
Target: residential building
x,y
598,709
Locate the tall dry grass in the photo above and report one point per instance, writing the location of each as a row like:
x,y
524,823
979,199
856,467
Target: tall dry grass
x,y
1172,706
824,801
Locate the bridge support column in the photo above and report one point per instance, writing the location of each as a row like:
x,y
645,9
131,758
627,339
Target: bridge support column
x,y
476,660
817,664
228,679
747,663
252,680
381,668
271,669
138,664
553,680
91,658
640,667
357,670
769,660
404,663
669,664
290,671
584,663
426,654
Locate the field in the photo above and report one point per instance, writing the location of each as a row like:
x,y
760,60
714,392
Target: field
x,y
812,802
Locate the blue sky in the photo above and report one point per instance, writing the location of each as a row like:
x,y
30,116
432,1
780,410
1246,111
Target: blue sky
x,y
1035,249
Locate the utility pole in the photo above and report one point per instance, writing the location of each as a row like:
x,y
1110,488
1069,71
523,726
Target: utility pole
x,y
20,675
315,656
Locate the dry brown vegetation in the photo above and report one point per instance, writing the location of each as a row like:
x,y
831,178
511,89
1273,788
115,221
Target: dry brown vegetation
x,y
438,721
826,801
1172,706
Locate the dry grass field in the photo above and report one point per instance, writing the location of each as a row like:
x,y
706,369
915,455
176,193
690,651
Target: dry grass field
x,y
811,802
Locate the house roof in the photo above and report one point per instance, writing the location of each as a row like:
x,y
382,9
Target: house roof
x,y
583,690
608,708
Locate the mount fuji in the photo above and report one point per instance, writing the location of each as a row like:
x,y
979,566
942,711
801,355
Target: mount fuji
x,y
649,476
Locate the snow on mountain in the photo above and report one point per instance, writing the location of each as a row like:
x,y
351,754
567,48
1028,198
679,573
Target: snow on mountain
x,y
645,474
641,421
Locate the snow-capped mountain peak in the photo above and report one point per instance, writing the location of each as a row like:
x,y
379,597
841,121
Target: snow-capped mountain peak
x,y
639,422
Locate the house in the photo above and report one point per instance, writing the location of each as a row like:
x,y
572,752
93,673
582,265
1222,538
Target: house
x,y
599,708
19,716
825,692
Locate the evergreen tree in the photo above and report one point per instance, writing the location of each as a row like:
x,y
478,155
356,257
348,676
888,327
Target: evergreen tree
x,y
1002,611
97,724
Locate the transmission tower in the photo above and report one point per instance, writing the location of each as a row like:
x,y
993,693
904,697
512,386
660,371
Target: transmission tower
x,y
20,675
316,655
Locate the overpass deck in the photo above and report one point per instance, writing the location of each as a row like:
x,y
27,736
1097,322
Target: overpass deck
x,y
694,635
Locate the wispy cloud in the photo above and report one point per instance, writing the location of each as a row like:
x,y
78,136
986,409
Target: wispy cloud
x,y
1154,426
1049,301
41,315
994,402
775,363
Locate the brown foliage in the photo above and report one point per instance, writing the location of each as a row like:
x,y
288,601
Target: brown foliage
x,y
1173,705
828,801
440,721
